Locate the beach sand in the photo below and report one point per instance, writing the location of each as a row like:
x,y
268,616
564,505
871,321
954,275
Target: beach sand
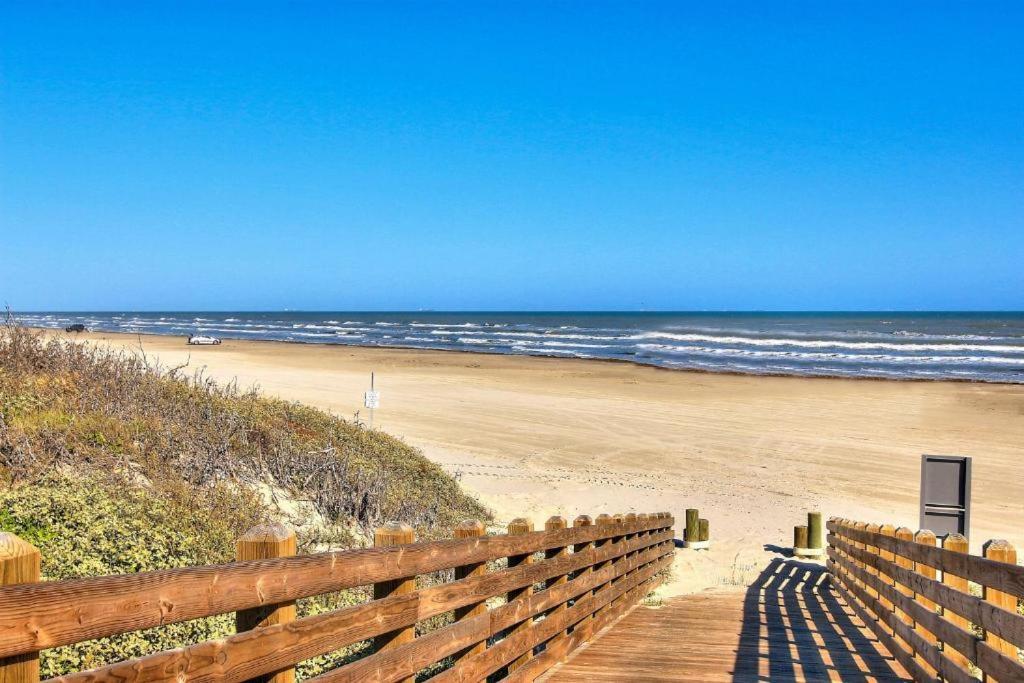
x,y
535,437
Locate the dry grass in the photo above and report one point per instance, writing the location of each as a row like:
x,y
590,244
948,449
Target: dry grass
x,y
66,405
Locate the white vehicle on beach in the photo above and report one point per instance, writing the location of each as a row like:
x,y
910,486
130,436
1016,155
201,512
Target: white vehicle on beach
x,y
202,340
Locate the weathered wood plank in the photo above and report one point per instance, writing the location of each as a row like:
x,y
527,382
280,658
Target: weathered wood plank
x,y
46,615
1001,576
246,655
494,658
1005,624
728,636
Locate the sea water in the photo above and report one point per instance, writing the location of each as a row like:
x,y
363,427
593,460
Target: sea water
x,y
986,347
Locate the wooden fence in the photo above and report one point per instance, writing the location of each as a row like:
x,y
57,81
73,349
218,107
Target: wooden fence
x,y
941,611
587,575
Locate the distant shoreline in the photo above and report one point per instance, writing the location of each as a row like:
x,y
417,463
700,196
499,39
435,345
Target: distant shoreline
x,y
539,356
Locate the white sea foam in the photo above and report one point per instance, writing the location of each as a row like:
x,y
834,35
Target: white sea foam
x,y
819,344
832,357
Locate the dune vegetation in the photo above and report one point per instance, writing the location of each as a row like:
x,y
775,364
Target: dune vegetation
x,y
110,463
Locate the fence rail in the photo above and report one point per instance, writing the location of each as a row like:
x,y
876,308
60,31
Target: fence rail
x,y
590,573
916,597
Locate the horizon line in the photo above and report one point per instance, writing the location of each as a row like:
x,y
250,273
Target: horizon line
x,y
659,311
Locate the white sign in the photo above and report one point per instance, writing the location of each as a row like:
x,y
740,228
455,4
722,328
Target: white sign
x,y
371,399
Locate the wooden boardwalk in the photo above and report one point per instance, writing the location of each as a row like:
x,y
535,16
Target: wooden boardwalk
x,y
789,626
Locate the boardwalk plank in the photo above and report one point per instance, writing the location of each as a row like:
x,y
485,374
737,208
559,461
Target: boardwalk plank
x,y
789,626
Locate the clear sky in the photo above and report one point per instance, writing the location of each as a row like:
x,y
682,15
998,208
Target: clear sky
x,y
486,155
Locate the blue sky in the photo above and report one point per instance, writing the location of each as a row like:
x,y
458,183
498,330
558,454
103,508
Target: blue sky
x,y
595,155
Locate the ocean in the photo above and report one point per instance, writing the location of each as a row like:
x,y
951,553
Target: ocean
x,y
984,347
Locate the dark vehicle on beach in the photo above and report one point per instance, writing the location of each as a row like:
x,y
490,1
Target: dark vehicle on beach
x,y
77,327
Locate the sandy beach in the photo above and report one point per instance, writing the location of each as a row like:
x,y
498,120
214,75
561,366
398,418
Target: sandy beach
x,y
540,436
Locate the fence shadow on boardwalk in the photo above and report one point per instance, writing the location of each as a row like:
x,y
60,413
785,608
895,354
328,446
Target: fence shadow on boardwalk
x,y
796,628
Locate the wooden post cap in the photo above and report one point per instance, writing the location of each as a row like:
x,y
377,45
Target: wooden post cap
x,y
393,533
469,528
555,523
266,541
955,542
583,520
520,525
630,517
19,560
998,547
604,519
619,517
925,537
643,516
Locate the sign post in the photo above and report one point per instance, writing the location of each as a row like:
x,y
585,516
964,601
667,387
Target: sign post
x,y
371,399
946,494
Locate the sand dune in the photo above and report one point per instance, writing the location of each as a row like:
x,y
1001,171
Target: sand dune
x,y
536,436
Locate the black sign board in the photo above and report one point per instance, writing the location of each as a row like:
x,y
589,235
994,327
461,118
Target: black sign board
x,y
946,494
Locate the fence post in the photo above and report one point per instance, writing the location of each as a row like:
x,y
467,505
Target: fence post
x,y
887,530
873,529
630,518
703,531
956,543
667,526
799,537
518,527
925,537
394,533
603,520
19,563
859,526
583,624
1001,551
265,542
906,536
471,528
556,523
619,520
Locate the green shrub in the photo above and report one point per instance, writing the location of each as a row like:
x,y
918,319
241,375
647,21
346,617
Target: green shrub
x,y
112,465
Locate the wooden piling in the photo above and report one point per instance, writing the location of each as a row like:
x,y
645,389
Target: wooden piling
x,y
815,531
517,527
799,537
471,528
692,525
265,542
394,533
703,530
956,543
19,563
1001,551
